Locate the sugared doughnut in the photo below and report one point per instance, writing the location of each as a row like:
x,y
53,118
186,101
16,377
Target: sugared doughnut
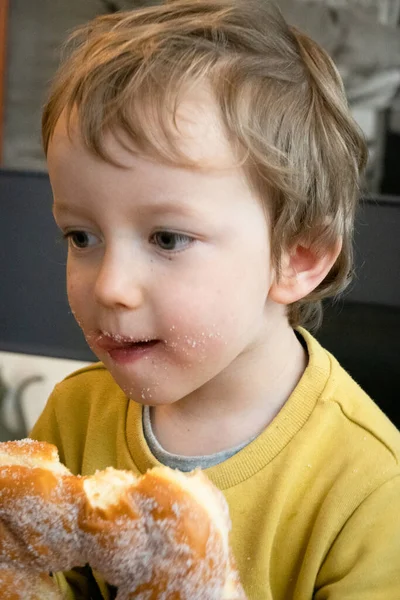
x,y
162,536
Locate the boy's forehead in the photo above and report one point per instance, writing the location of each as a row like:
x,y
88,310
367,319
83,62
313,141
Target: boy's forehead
x,y
197,131
201,132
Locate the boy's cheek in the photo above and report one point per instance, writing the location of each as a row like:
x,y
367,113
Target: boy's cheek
x,y
195,346
81,304
75,283
75,299
195,324
200,326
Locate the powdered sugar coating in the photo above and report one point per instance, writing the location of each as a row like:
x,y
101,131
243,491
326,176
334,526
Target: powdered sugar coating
x,y
40,520
26,585
29,453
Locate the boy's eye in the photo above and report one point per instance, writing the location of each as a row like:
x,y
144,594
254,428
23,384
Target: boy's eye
x,y
81,239
167,240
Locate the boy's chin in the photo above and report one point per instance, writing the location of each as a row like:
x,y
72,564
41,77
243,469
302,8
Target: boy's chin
x,y
159,382
149,391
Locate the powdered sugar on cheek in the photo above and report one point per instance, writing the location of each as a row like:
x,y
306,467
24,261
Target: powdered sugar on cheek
x,y
194,347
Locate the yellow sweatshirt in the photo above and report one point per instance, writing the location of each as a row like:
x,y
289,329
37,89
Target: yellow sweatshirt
x,y
314,500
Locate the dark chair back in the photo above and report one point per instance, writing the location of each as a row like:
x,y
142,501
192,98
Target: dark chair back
x,y
363,329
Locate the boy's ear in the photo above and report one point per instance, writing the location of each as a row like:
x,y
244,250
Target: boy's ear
x,y
303,267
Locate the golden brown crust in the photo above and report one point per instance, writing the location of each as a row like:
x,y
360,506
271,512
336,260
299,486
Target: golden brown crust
x,y
28,449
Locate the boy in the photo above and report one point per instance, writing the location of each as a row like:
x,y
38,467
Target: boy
x,y
205,172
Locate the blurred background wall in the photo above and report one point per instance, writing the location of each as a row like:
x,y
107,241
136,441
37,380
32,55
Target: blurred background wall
x,y
363,37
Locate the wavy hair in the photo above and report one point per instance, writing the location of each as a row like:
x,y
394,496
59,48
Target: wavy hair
x,y
281,101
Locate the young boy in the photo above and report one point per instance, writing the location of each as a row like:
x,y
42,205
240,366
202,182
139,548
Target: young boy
x,y
205,171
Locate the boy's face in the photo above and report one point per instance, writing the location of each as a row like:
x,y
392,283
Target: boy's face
x,y
176,256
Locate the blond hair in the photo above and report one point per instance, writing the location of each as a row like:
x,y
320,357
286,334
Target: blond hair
x,y
281,101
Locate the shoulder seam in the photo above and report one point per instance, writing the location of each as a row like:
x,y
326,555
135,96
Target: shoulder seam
x,y
334,365
373,433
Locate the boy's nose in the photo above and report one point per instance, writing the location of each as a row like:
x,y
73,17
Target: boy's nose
x,y
118,284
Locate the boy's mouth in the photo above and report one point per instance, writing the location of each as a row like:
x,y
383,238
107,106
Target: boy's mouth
x,y
109,342
123,350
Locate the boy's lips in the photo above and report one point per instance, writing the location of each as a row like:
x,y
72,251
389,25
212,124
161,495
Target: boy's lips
x,y
109,342
123,349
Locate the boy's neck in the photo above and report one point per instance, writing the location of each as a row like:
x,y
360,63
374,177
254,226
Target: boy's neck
x,y
231,410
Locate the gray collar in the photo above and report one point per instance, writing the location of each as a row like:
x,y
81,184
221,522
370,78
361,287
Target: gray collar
x,y
184,463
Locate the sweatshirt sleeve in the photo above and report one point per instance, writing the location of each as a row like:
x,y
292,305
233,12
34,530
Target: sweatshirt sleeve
x,y
364,561
63,421
46,428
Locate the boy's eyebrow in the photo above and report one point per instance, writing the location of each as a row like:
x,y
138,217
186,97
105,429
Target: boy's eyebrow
x,y
56,207
164,207
170,207
59,207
